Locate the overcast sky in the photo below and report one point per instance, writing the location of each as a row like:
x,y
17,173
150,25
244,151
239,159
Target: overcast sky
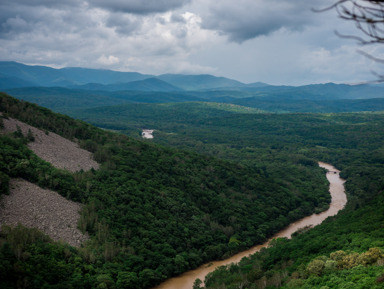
x,y
273,41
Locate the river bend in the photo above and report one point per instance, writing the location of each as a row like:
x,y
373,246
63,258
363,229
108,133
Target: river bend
x,y
339,200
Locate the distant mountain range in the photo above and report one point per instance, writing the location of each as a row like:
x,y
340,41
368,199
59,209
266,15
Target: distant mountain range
x,y
69,88
16,75
148,84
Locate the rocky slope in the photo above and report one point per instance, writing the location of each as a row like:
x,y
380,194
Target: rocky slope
x,y
46,210
58,151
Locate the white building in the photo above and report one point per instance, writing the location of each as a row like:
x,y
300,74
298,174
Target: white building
x,y
147,133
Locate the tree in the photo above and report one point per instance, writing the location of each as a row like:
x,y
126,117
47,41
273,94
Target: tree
x,y
197,284
316,267
127,280
368,16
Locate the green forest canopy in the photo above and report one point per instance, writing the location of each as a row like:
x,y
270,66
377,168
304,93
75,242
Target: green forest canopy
x,y
182,208
152,211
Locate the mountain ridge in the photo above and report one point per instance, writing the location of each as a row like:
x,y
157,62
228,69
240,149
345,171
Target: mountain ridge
x,y
73,76
15,75
147,84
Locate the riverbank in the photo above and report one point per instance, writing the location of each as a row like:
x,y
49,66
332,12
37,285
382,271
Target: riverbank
x,y
338,202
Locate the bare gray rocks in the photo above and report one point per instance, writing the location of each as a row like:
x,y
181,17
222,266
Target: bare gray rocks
x,y
46,210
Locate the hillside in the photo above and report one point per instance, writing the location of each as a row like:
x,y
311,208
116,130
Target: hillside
x,y
151,212
34,207
49,146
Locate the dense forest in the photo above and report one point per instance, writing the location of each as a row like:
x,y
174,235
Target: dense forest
x,y
342,253
220,179
152,211
277,144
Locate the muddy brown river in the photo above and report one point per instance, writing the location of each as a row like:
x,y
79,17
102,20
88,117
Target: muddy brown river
x,y
339,199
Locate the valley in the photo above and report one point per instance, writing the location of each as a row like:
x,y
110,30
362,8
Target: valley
x,y
229,166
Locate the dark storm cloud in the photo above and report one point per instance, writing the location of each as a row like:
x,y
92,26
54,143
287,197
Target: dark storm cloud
x,y
246,19
139,6
42,3
16,20
290,43
23,16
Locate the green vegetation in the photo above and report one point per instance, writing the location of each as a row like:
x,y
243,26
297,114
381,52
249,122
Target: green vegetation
x,y
277,144
344,252
322,98
354,143
152,212
29,259
217,178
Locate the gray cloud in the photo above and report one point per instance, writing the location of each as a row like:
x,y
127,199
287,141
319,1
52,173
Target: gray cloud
x,y
14,25
17,17
124,24
142,7
246,19
276,41
43,3
177,18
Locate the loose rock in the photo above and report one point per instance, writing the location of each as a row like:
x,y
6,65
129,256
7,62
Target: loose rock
x,y
60,152
46,210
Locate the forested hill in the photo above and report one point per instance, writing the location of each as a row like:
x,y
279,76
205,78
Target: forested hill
x,y
151,212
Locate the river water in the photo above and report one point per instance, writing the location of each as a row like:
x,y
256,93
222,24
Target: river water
x,y
339,199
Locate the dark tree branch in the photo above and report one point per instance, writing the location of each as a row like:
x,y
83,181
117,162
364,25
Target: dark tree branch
x,y
371,56
368,16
